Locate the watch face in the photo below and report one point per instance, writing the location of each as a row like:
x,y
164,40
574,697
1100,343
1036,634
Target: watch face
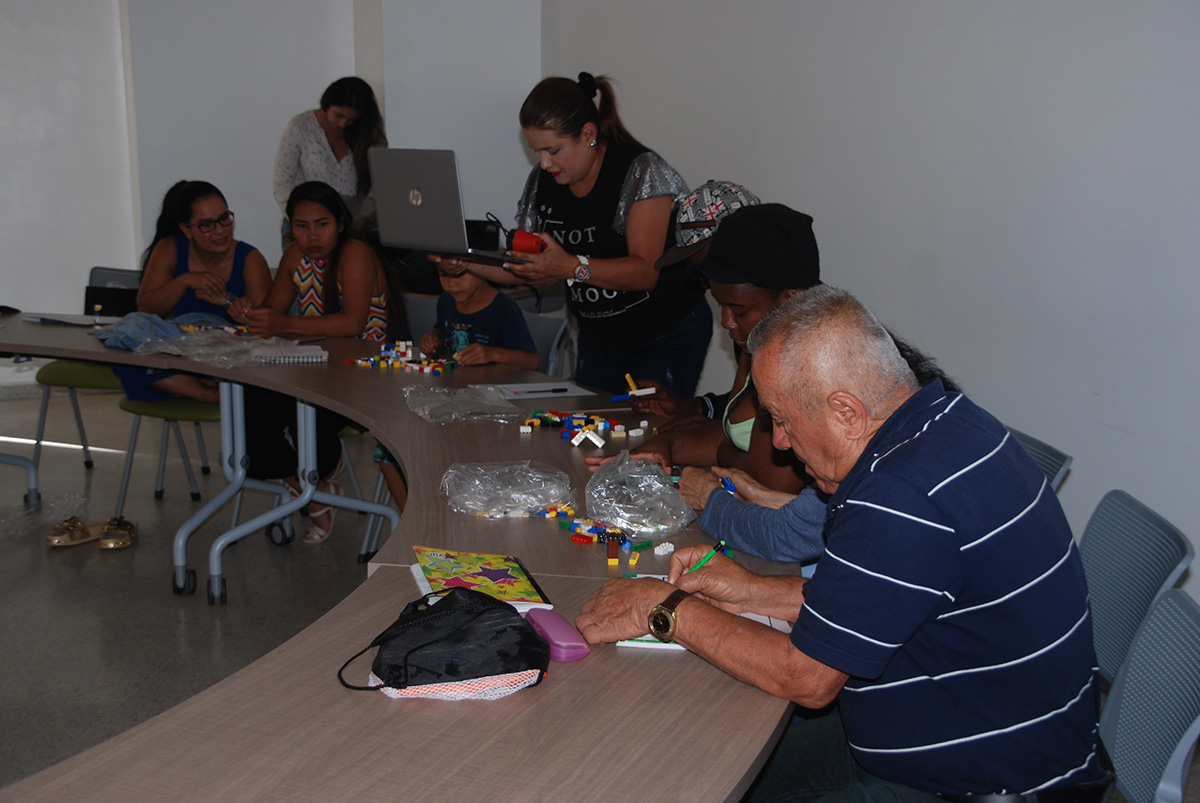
x,y
660,623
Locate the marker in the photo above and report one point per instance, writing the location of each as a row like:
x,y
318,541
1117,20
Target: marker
x,y
543,390
728,485
720,547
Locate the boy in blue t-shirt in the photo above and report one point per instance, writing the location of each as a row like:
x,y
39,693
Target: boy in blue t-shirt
x,y
477,324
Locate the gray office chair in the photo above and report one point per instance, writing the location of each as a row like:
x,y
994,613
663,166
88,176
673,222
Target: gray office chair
x,y
1051,461
1130,556
547,334
1151,720
422,314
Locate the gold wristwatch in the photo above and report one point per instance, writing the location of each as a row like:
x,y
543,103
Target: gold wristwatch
x,y
583,271
663,617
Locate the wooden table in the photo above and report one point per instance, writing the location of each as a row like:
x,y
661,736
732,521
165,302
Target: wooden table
x,y
622,724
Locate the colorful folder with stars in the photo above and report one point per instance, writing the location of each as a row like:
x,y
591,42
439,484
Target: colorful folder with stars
x,y
500,576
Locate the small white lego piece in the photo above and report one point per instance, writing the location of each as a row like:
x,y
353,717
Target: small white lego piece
x,y
526,430
665,548
637,433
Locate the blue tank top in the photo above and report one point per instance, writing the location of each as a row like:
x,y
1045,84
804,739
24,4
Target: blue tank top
x,y
235,285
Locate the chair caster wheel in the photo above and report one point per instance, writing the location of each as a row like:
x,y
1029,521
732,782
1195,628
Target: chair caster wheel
x,y
196,497
189,585
89,464
158,494
205,470
279,535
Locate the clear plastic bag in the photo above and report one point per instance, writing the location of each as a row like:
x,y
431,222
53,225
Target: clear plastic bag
x,y
474,403
497,490
635,494
221,349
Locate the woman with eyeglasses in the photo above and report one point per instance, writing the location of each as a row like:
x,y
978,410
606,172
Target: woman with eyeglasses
x,y
194,264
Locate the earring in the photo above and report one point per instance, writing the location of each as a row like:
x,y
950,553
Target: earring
x,y
592,144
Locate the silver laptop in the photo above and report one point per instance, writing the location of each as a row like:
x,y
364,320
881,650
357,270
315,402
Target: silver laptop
x,y
418,202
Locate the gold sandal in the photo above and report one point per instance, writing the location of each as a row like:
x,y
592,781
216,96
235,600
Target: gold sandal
x,y
72,531
118,533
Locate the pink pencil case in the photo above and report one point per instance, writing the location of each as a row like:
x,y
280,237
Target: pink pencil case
x,y
566,644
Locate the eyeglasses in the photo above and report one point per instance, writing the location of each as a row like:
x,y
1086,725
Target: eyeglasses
x,y
207,225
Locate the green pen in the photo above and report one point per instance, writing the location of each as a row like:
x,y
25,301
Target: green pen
x,y
720,547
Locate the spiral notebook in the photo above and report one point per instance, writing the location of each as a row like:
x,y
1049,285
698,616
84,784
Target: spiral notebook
x,y
290,353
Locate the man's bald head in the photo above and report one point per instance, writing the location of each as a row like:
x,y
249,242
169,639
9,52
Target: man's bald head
x,y
824,340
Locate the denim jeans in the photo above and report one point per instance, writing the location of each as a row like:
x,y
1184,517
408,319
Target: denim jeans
x,y
674,358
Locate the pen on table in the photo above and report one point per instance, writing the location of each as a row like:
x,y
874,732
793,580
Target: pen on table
x,y
542,390
720,547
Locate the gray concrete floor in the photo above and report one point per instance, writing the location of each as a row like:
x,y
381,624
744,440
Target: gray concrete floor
x,y
94,642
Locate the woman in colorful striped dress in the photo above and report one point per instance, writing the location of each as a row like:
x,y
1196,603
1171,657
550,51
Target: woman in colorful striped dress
x,y
341,289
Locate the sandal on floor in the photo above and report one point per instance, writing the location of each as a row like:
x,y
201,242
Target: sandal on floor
x,y
317,534
72,531
118,533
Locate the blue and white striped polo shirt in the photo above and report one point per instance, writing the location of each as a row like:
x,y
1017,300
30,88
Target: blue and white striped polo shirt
x,y
952,593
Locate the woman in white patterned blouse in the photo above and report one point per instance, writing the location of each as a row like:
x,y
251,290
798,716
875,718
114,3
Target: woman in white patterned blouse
x,y
330,144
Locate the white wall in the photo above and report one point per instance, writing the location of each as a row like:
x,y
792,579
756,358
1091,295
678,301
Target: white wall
x,y
1015,187
65,191
215,83
457,72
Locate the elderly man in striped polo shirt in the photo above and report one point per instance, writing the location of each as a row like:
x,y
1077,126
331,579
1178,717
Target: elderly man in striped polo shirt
x,y
948,617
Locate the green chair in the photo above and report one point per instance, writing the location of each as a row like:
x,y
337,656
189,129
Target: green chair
x,y
72,375
118,288
171,412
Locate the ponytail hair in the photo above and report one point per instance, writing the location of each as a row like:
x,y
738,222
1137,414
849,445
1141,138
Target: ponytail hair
x,y
176,209
364,133
565,107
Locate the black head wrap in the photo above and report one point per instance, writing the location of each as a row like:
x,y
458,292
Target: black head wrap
x,y
587,82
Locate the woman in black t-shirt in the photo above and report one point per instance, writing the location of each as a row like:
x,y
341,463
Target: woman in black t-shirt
x,y
601,202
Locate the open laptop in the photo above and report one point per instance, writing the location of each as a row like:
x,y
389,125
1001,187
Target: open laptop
x,y
418,202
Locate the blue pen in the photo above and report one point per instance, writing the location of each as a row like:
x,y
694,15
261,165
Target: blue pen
x,y
728,485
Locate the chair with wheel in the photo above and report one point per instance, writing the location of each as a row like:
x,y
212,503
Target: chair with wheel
x,y
1131,555
1151,718
1054,463
547,334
